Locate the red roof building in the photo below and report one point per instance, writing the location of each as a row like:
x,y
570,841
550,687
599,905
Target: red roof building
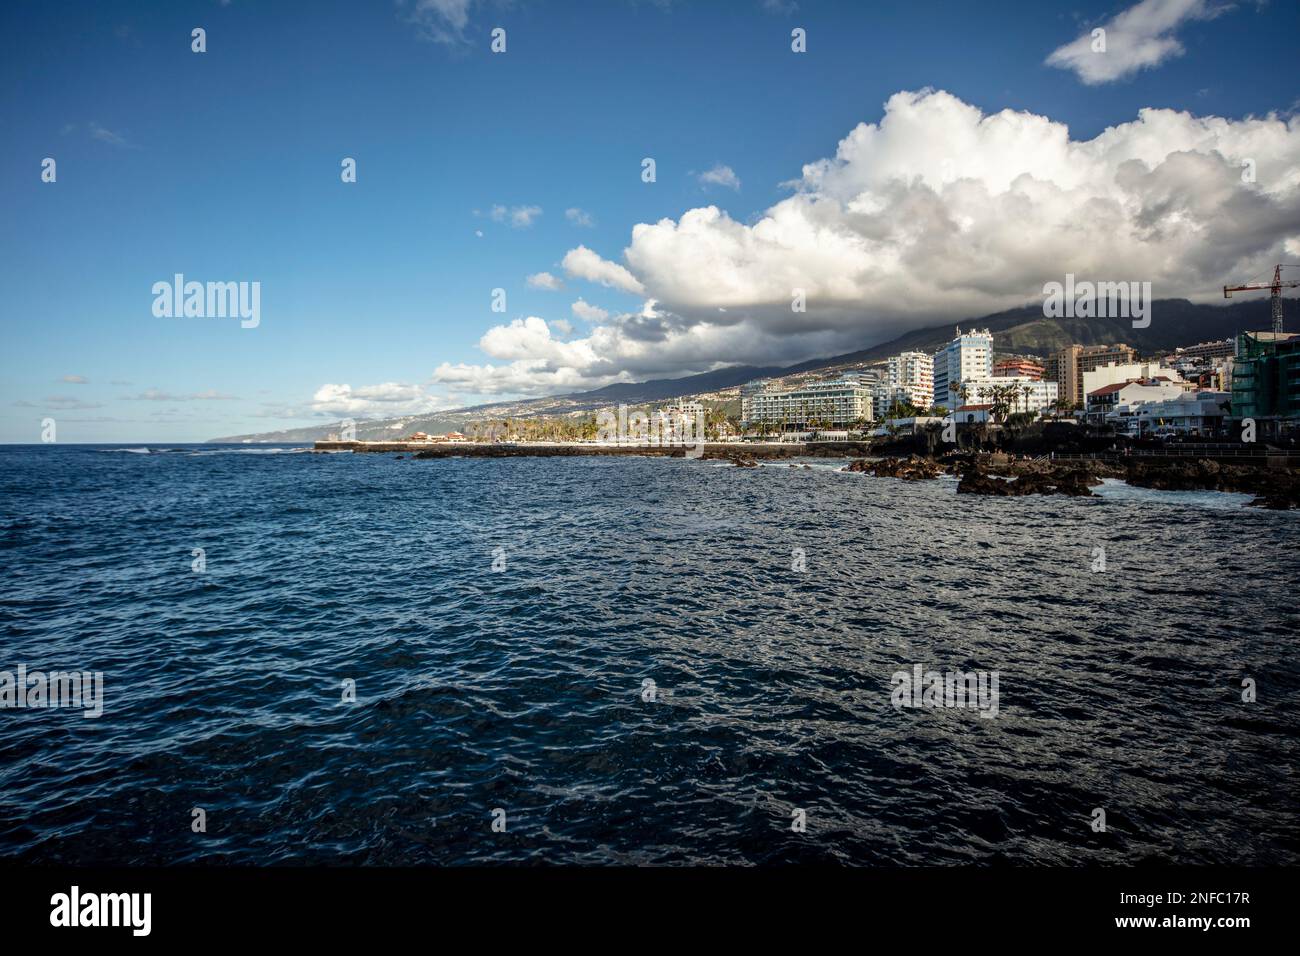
x,y
1009,368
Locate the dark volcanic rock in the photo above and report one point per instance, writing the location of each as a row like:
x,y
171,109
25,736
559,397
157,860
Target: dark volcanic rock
x,y
1278,501
976,482
1196,475
1076,483
1276,488
908,469
1062,481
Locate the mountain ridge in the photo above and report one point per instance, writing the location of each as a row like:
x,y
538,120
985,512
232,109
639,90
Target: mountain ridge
x,y
1021,331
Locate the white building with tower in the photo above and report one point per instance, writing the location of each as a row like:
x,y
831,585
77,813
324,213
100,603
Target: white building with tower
x,y
968,356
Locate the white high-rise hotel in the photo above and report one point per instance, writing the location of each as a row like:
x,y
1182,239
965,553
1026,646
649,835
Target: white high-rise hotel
x,y
837,403
968,356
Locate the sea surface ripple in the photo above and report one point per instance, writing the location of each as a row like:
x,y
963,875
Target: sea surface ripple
x,y
522,689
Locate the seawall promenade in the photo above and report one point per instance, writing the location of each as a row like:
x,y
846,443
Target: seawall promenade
x,y
573,449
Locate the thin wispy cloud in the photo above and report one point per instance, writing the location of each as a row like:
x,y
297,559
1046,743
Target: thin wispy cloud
x,y
104,135
99,133
75,380
520,217
580,217
439,21
59,403
156,395
1140,38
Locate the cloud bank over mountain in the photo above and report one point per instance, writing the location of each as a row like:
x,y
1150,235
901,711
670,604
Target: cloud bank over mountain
x,y
936,211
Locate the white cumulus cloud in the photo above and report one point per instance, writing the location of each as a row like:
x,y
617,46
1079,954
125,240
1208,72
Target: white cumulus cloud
x,y
585,264
589,313
544,280
387,400
936,212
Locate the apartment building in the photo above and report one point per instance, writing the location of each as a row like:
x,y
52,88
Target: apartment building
x,y
1014,367
1191,413
1208,350
910,376
1266,375
1112,374
1107,399
836,403
1067,366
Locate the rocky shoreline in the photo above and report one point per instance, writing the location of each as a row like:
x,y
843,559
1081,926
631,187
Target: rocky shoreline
x,y
1275,488
981,473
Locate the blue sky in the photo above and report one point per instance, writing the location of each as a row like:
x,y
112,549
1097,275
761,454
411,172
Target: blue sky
x,y
225,166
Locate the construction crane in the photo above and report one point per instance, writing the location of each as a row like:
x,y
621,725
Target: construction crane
x,y
1276,287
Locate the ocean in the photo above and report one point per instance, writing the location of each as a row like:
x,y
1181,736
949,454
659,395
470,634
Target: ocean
x,y
359,659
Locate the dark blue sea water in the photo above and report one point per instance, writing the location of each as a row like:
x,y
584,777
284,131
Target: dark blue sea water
x,y
522,689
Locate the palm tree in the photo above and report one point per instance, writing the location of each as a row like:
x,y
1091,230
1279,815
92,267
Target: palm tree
x,y
999,397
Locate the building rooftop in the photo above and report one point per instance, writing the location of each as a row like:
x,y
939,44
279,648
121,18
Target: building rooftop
x,y
1272,336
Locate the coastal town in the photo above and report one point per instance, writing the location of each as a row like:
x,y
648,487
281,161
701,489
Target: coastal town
x,y
1238,389
1218,415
